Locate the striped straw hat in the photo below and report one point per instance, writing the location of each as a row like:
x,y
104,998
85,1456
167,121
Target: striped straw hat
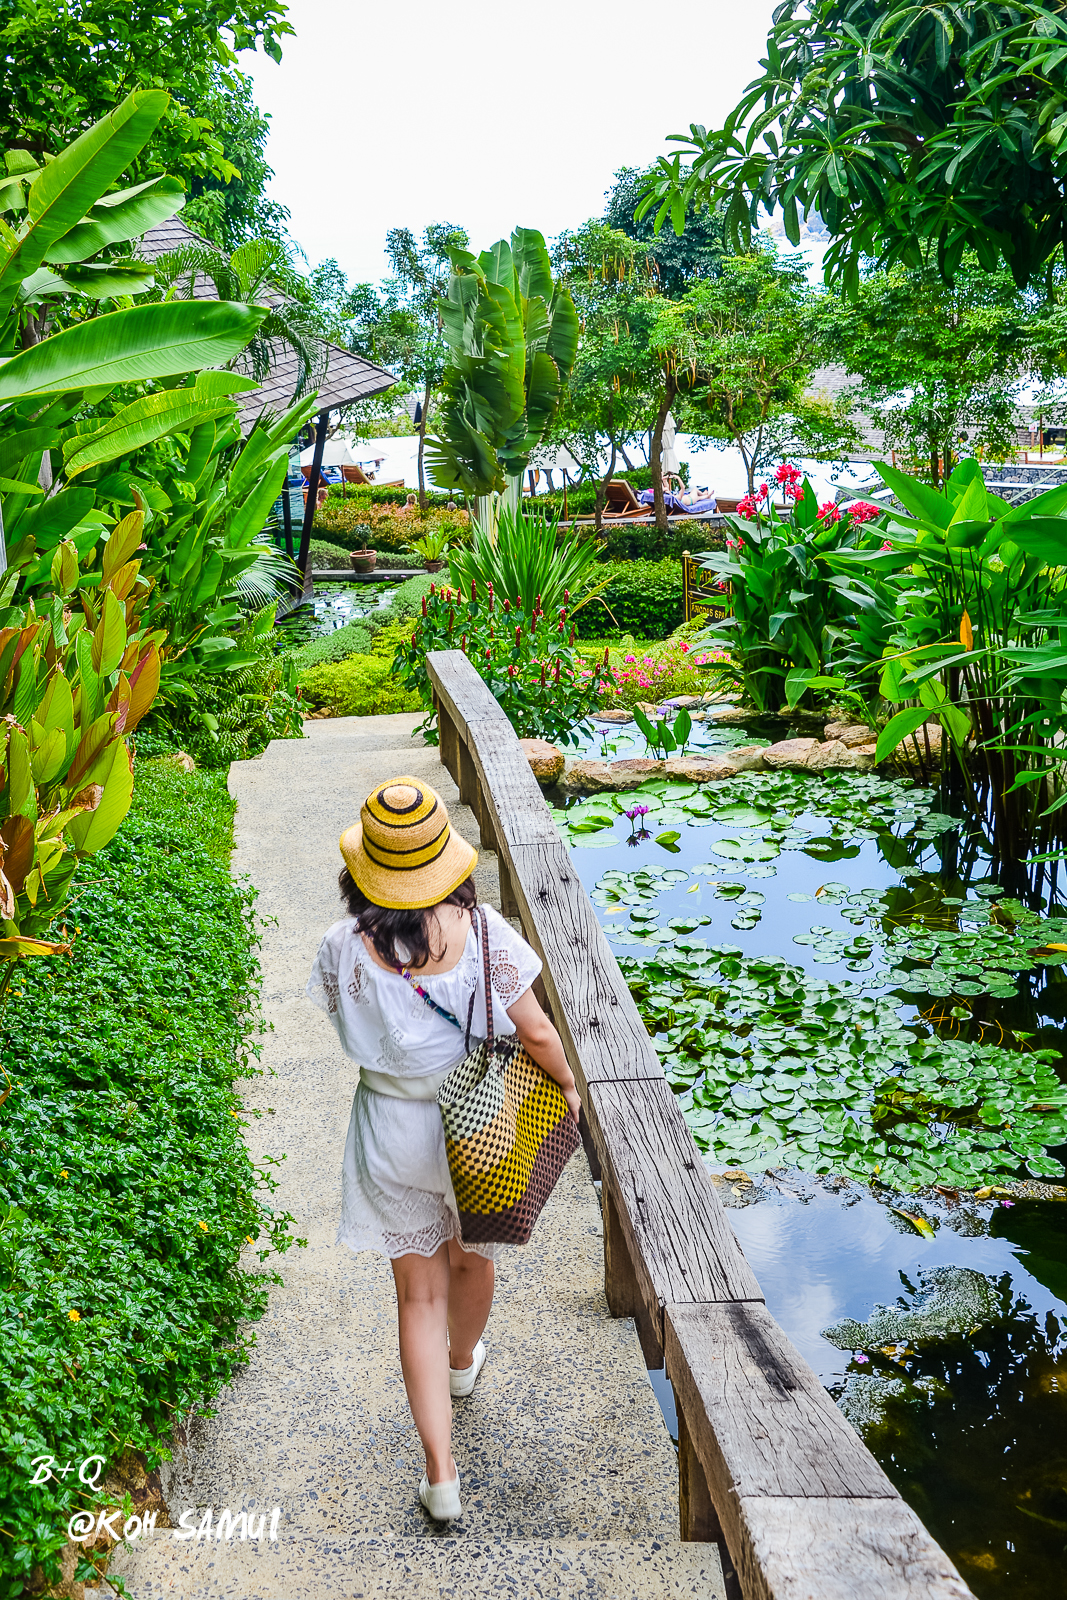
x,y
403,853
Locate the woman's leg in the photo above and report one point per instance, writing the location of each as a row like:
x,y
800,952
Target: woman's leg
x,y
422,1298
470,1297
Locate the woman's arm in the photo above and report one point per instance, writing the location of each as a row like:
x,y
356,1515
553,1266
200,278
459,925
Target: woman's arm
x,y
540,1040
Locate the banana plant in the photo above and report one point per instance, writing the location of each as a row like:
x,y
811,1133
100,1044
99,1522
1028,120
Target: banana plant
x,y
512,334
63,215
75,680
54,390
979,590
205,551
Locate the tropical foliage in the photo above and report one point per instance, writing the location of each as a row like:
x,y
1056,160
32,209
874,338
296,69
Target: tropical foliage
x,y
127,1192
66,64
532,561
790,608
525,657
512,334
102,605
915,132
980,600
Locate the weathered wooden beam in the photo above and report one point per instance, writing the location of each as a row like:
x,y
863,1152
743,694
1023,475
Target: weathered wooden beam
x,y
676,1230
448,740
840,1549
805,1508
697,1518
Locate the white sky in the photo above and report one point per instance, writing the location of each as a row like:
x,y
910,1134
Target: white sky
x,y
475,113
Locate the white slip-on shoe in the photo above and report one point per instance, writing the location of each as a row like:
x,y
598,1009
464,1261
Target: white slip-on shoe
x,y
461,1380
441,1499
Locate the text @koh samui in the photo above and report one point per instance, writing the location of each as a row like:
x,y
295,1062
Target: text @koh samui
x,y
86,1525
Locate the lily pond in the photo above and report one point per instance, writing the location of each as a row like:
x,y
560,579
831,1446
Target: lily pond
x,y
867,1042
334,605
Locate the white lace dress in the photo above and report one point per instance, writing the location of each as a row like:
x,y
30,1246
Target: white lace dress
x,y
396,1194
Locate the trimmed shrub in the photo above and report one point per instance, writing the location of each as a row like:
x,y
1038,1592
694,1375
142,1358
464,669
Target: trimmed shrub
x,y
644,598
126,1190
351,640
624,541
361,686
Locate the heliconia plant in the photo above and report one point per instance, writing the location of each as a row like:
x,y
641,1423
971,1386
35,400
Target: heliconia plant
x,y
525,656
75,680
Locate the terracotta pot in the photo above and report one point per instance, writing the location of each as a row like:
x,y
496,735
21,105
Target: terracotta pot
x,y
432,566
363,560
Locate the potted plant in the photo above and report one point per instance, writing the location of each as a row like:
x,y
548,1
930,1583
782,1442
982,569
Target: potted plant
x,y
363,559
432,547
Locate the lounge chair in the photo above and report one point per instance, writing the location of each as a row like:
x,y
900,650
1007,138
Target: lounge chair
x,y
622,501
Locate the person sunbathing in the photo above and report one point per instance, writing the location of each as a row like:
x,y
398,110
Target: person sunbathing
x,y
680,500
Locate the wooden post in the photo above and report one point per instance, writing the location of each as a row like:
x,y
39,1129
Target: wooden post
x,y
448,741
620,1279
467,779
509,906
303,560
697,1518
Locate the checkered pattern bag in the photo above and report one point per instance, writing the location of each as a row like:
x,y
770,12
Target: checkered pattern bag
x,y
508,1132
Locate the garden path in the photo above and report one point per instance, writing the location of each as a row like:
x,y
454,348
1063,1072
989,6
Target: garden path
x,y
569,1474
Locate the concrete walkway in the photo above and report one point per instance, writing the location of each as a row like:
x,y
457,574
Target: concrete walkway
x,y
569,1474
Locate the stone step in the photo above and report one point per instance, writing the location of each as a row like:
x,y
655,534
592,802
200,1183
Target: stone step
x,y
436,1568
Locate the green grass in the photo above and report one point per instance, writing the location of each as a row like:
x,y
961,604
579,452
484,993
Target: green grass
x,y
126,1190
196,804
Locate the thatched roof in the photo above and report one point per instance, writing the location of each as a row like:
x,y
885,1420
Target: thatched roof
x,y
347,377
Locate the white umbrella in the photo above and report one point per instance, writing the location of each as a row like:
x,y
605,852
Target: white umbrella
x,y
561,460
669,462
335,453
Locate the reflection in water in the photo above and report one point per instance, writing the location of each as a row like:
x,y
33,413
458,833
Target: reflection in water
x,y
971,1426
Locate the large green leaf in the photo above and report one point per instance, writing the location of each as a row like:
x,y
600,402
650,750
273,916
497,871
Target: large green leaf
x,y
91,830
117,217
562,343
130,346
921,500
68,186
897,729
152,417
1043,537
99,280
533,268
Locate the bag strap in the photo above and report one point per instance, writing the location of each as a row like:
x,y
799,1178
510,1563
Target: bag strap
x,y
485,973
441,1012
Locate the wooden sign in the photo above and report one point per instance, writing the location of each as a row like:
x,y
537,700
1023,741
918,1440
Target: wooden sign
x,y
705,594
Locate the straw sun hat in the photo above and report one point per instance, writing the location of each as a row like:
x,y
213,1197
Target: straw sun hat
x,y
403,853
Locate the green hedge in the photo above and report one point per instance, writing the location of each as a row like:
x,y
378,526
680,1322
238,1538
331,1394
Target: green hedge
x,y
644,598
126,1190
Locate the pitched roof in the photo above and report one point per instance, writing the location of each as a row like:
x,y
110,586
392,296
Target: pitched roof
x,y
347,377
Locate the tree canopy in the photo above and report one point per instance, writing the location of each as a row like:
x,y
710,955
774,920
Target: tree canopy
x,y
917,132
66,63
674,260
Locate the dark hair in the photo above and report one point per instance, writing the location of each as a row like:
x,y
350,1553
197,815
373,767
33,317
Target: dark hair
x,y
384,926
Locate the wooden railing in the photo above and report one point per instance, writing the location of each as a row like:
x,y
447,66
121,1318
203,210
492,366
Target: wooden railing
x,y
768,1466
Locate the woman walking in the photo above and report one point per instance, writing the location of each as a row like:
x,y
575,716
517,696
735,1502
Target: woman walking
x,y
402,980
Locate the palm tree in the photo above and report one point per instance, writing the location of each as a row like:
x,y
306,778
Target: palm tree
x,y
257,273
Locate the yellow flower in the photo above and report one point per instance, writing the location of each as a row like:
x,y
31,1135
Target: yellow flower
x,y
75,1316
248,1238
64,1173
202,1225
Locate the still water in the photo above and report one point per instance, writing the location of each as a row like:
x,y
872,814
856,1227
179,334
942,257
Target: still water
x,y
947,1353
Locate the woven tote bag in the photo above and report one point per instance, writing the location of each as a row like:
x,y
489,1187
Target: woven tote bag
x,y
508,1133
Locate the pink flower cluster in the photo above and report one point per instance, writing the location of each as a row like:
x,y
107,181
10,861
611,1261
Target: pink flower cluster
x,y
790,480
829,511
749,506
863,511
